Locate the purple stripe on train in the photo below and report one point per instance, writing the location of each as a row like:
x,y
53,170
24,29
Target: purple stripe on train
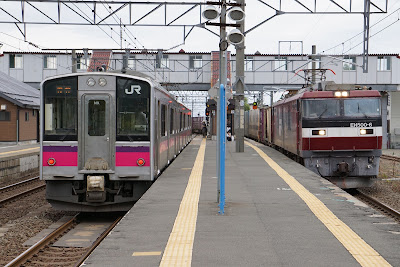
x,y
132,149
60,149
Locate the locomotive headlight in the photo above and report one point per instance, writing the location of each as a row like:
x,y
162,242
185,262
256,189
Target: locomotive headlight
x,y
102,82
341,94
366,131
318,132
91,82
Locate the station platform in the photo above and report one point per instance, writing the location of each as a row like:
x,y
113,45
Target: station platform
x,y
18,161
12,150
277,213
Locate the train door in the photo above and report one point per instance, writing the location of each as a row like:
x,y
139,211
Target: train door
x,y
298,126
97,150
157,138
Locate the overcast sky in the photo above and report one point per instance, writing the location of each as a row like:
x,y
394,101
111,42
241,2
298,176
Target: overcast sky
x,y
330,33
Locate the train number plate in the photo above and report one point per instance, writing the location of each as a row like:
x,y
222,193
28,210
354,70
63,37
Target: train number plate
x,y
361,124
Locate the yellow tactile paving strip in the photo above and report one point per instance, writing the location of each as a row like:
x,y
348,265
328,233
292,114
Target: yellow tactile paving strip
x,y
361,251
18,151
178,251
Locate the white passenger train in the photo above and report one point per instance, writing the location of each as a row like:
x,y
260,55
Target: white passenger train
x,y
105,137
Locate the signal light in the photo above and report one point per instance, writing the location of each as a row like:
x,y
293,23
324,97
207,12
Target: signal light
x,y
51,161
140,162
254,105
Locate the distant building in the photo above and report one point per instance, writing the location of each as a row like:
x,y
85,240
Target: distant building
x,y
19,111
190,71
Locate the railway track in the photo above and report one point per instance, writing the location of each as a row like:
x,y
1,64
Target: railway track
x,y
44,254
392,158
376,204
15,191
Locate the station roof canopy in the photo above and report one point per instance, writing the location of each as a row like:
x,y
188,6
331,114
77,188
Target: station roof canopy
x,y
18,92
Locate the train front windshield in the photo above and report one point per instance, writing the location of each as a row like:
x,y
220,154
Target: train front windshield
x,y
133,110
61,110
347,108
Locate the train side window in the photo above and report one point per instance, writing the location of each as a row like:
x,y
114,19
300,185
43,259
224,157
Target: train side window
x,y
97,118
171,126
180,121
163,132
60,109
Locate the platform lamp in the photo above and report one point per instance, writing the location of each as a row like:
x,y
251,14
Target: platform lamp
x,y
235,37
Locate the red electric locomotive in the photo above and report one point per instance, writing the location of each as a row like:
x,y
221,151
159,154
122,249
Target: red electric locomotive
x,y
335,131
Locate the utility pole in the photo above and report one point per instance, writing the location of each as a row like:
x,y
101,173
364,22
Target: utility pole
x,y
74,61
239,95
313,63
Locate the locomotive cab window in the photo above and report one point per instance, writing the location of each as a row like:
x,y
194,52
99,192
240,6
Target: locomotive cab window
x,y
321,108
60,110
344,108
133,110
362,107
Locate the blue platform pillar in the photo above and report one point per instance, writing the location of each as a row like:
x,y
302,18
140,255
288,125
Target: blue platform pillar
x,y
222,143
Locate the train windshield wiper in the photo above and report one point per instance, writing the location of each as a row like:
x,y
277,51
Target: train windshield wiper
x,y
323,112
68,132
127,135
361,111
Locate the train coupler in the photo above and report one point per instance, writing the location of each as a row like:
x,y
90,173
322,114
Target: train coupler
x,y
95,189
343,167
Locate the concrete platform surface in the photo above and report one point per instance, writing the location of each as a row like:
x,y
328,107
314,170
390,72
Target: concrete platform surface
x,y
275,215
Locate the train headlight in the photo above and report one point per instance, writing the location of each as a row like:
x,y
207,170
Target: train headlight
x,y
341,94
51,161
140,162
102,82
366,131
318,132
91,82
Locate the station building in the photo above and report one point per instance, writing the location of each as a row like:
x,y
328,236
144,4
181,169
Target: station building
x,y
182,71
19,109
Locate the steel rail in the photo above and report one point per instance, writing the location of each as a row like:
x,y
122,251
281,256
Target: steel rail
x,y
378,204
4,201
40,244
392,158
19,183
97,242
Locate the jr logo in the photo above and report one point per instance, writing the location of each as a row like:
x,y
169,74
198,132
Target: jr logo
x,y
134,88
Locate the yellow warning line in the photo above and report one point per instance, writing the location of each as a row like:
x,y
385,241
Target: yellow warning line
x,y
178,251
17,151
361,251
